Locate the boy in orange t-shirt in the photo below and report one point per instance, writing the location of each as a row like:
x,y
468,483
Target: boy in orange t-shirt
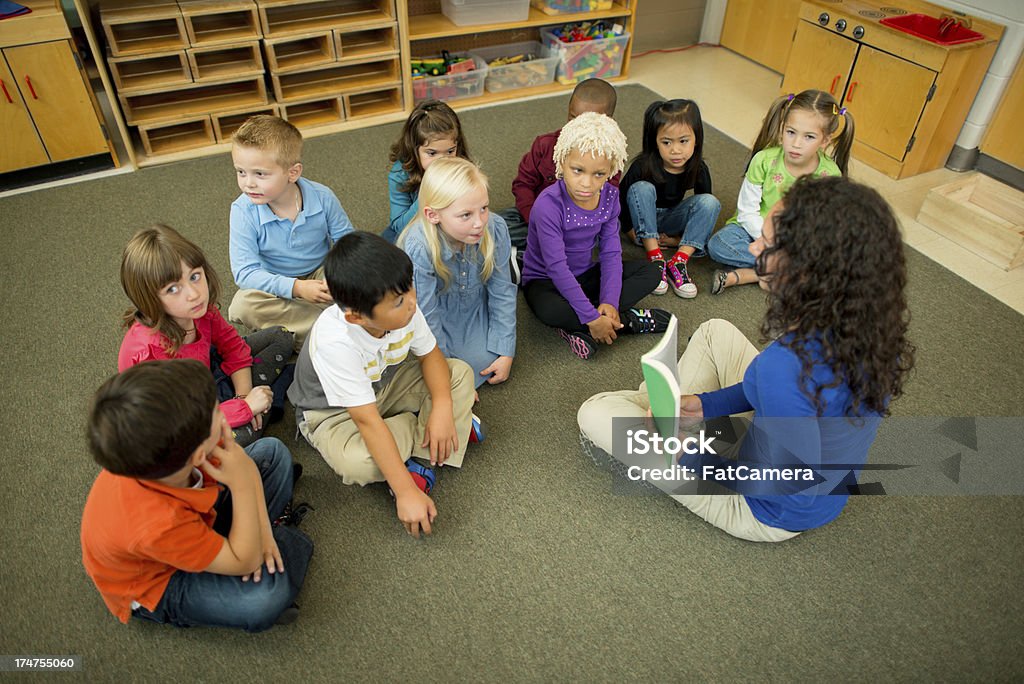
x,y
179,520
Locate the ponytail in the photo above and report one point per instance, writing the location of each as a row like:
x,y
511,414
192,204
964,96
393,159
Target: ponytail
x,y
771,127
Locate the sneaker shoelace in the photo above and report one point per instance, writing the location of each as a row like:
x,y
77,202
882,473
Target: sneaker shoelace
x,y
678,273
293,515
642,321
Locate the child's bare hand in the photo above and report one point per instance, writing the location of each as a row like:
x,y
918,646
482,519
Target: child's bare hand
x,y
612,313
416,510
499,370
271,558
228,463
440,435
602,329
312,291
259,399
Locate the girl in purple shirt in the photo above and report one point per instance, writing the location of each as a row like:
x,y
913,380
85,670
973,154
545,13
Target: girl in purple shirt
x,y
586,302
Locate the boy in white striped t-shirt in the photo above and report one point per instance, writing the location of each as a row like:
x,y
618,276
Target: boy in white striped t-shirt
x,y
361,401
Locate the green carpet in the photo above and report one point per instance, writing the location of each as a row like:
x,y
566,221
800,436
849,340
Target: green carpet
x,y
536,570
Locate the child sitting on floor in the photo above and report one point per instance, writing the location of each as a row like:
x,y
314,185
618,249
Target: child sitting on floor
x,y
281,228
586,302
431,132
177,526
460,254
361,401
175,293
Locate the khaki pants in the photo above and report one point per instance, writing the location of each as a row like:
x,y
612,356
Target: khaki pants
x,y
716,356
256,310
334,434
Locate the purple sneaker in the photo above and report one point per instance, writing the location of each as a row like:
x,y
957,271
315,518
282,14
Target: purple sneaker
x,y
678,277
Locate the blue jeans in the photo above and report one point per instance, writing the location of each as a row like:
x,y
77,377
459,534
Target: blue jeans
x,y
207,599
692,220
731,246
517,227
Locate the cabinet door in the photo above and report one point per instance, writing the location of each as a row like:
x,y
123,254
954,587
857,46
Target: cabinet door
x,y
820,60
884,121
55,92
21,146
762,34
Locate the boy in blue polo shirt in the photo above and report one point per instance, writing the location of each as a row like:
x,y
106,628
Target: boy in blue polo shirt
x,y
282,227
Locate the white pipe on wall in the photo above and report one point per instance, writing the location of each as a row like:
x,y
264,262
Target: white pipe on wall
x,y
714,19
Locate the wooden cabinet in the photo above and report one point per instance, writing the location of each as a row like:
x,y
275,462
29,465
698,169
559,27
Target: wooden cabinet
x,y
909,97
761,31
47,111
53,87
22,147
1003,140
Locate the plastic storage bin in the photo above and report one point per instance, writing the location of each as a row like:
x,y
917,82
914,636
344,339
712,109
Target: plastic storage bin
x,y
472,12
586,59
452,86
569,6
520,74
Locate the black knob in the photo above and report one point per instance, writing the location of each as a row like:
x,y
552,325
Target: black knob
x,y
823,18
858,32
841,25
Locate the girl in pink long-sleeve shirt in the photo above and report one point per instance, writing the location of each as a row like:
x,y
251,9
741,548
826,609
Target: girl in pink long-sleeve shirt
x,y
175,316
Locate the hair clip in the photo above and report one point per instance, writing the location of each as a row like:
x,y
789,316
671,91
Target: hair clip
x,y
842,111
790,97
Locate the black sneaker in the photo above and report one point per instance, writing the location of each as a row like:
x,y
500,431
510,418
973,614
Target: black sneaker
x,y
639,321
293,514
296,472
582,344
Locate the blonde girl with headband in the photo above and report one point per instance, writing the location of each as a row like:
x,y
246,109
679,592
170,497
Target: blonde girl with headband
x,y
460,253
586,302
431,132
794,137
174,293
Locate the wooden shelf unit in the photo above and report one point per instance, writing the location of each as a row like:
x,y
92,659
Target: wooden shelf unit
x,y
331,65
225,61
285,17
216,22
295,53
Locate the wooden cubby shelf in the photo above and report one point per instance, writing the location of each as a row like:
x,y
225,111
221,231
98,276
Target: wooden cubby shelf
x,y
375,42
225,61
225,124
332,65
181,135
160,70
215,22
133,29
360,105
335,79
316,112
283,17
189,102
299,52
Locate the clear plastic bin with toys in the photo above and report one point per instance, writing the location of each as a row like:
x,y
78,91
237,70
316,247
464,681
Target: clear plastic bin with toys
x,y
586,50
517,65
472,12
570,6
451,76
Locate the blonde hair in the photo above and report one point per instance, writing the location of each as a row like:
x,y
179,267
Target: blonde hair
x,y
444,182
151,260
273,135
594,134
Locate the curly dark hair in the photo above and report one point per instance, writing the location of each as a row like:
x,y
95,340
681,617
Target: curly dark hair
x,y
840,278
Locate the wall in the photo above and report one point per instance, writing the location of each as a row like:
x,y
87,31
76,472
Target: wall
x,y
662,24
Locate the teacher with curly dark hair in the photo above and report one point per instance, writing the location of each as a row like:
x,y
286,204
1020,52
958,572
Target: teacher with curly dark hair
x,y
831,261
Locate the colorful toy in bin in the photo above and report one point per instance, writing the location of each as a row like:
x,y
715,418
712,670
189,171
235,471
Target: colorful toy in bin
x,y
587,50
447,77
569,6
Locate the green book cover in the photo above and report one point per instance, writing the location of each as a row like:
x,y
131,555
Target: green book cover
x,y
661,375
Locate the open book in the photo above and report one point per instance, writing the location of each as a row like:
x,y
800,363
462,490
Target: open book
x,y
661,373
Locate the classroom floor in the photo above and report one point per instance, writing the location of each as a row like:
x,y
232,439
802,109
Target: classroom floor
x,y
734,92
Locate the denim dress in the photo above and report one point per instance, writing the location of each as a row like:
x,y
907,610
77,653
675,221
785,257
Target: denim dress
x,y
474,321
